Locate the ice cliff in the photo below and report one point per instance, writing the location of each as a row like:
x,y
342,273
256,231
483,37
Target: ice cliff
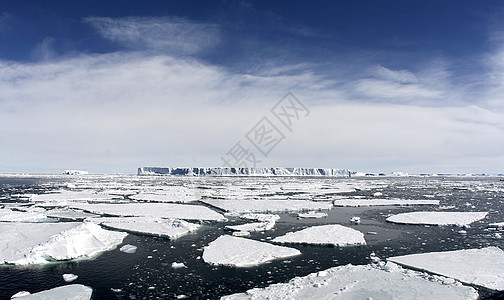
x,y
222,171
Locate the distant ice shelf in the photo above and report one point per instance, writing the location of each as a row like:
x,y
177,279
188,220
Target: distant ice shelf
x,y
222,171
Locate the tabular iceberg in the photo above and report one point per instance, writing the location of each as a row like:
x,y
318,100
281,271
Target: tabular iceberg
x,y
222,171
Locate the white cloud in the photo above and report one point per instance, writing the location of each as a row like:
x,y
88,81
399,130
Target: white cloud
x,y
401,76
168,35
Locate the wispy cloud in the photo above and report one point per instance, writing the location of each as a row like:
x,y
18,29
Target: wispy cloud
x,y
5,20
168,35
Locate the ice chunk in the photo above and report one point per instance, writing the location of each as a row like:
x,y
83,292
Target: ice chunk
x,y
438,218
177,265
382,202
67,292
169,228
263,205
496,225
483,267
30,243
361,282
20,294
267,223
154,210
242,252
128,249
69,277
249,227
336,235
312,215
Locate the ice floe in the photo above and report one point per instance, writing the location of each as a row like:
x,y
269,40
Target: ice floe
x,y
382,202
154,210
168,228
263,205
312,215
483,267
437,218
30,243
67,292
130,249
8,215
242,252
69,277
336,235
362,282
65,195
496,225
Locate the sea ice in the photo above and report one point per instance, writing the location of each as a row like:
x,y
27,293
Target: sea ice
x,y
69,277
177,265
496,225
67,292
178,196
361,282
483,267
263,205
169,228
437,218
336,235
249,227
31,243
130,249
154,210
64,195
8,215
312,215
382,202
242,252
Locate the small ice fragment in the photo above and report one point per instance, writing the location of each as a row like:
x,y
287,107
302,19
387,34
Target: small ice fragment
x,y
177,265
116,290
462,232
241,233
378,194
181,296
497,235
128,249
69,277
372,232
312,215
355,220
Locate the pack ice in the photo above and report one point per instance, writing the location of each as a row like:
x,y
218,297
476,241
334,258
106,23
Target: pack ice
x,y
30,243
362,282
483,267
382,202
437,218
67,292
168,228
336,235
242,252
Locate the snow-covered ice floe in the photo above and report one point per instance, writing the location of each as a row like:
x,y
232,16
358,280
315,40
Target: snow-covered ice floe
x,y
362,282
168,228
437,218
382,202
67,292
482,267
242,252
312,215
31,243
181,196
336,235
64,195
267,222
263,205
8,215
154,210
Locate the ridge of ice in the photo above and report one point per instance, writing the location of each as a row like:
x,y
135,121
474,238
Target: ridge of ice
x,y
242,252
362,282
483,267
438,218
335,234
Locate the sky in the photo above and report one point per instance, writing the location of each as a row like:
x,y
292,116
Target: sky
x,y
371,86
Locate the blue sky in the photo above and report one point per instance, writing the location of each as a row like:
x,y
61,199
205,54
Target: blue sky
x,y
412,86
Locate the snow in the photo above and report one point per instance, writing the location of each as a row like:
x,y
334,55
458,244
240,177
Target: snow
x,y
336,235
312,215
153,210
31,243
8,215
169,228
242,252
266,205
67,292
483,267
382,202
69,277
130,249
362,282
437,218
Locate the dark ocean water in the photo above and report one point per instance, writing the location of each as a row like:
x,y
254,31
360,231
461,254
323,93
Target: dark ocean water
x,y
147,274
